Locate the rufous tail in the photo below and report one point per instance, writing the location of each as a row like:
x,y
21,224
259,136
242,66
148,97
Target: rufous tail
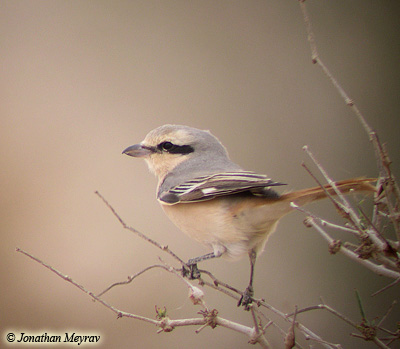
x,y
305,196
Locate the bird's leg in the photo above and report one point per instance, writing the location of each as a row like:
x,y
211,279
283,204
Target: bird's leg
x,y
193,272
246,298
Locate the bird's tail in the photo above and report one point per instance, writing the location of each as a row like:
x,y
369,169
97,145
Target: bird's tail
x,y
305,196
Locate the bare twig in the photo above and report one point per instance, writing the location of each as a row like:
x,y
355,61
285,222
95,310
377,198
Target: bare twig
x,y
329,309
367,332
394,303
138,233
377,269
309,335
258,330
119,313
217,283
344,206
129,280
290,339
395,282
317,60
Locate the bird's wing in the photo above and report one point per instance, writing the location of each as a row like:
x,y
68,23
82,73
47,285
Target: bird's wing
x,y
210,186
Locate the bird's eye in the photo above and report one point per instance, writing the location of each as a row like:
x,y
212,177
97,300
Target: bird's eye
x,y
166,146
175,149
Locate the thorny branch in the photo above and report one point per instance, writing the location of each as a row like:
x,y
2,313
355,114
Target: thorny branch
x,y
165,324
374,249
387,182
387,178
367,329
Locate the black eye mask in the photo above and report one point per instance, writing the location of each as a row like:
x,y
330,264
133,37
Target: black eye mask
x,y
175,149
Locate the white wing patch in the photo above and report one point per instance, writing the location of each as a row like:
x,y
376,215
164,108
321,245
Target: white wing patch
x,y
208,191
219,184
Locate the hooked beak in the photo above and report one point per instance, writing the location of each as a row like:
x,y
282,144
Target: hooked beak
x,y
138,151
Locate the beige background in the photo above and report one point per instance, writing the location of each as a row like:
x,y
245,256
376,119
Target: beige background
x,y
82,80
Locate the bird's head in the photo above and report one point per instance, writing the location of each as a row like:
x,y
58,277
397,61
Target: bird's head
x,y
168,146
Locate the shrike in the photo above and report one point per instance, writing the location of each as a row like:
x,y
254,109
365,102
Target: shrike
x,y
215,201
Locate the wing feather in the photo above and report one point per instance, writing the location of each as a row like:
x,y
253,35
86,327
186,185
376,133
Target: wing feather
x,y
210,186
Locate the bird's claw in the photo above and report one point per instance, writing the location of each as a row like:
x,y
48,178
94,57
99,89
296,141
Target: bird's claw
x,y
191,271
247,298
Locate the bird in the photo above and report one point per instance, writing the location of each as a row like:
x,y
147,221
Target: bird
x,y
217,203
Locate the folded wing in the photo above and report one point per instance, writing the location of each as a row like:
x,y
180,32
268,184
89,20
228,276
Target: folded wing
x,y
227,183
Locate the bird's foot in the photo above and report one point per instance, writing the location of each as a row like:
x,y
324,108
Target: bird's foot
x,y
247,298
191,271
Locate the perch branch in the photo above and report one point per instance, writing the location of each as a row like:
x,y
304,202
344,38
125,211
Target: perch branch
x,y
165,324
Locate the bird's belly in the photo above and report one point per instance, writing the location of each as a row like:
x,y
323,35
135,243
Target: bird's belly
x,y
204,222
212,224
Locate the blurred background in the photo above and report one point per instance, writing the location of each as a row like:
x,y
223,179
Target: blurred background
x,y
82,80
